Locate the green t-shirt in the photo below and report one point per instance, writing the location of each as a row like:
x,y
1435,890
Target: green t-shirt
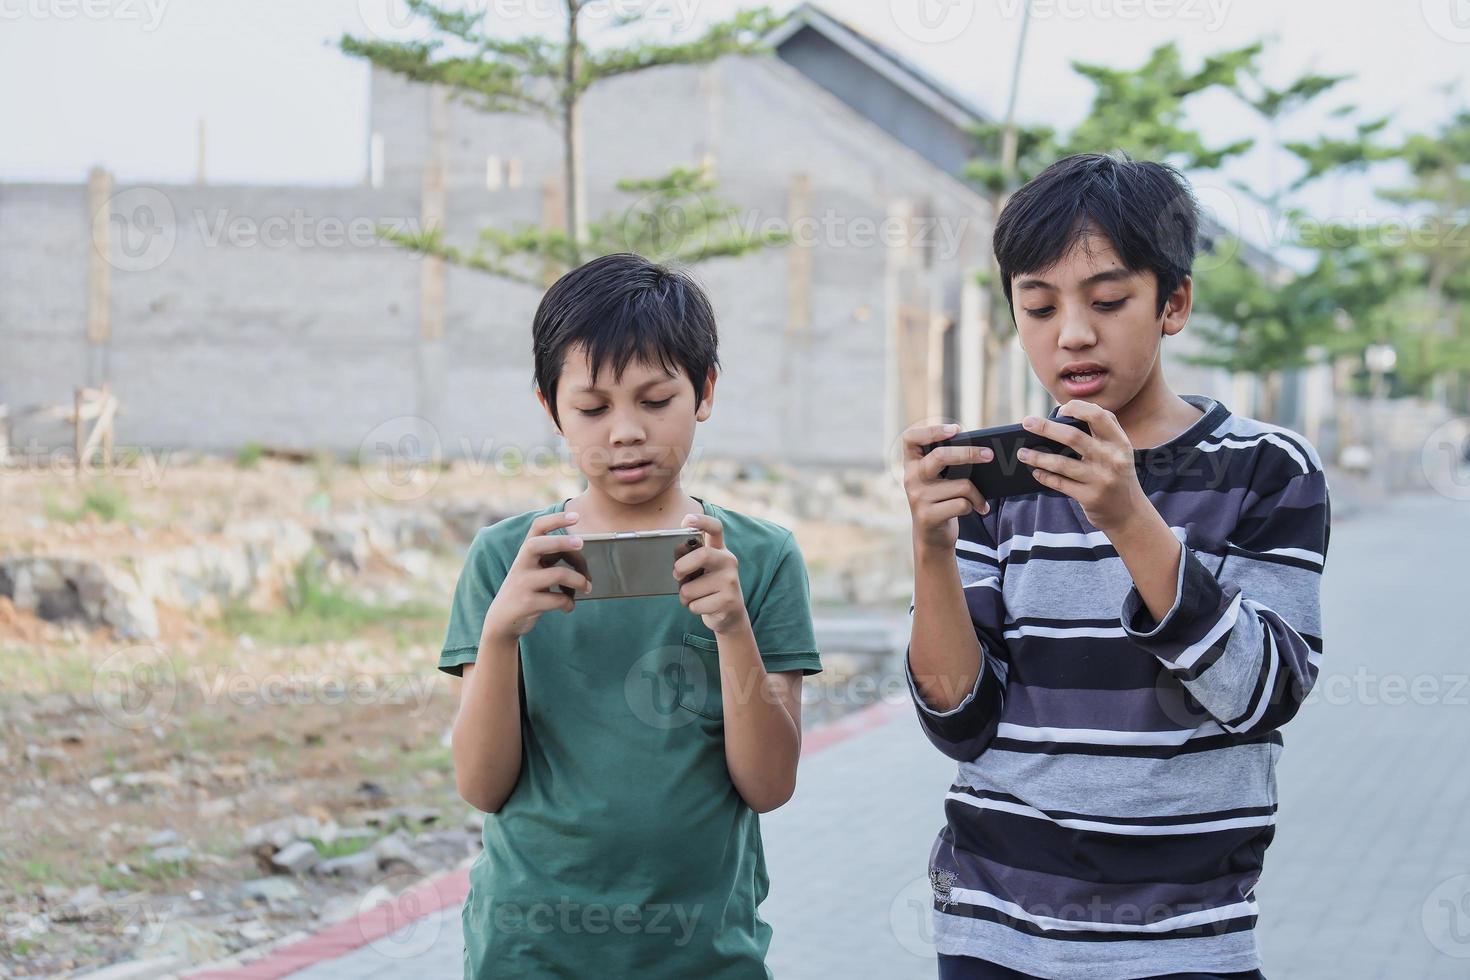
x,y
624,850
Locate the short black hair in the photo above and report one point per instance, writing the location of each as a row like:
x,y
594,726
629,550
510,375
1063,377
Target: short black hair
x,y
1146,209
620,307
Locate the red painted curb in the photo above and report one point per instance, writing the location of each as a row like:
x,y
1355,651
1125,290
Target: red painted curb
x,y
342,938
452,886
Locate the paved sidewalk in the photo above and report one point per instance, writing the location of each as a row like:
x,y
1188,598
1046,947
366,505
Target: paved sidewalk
x,y
1369,874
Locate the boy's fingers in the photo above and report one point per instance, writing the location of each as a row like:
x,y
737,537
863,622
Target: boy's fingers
x,y
549,543
1067,435
550,522
710,526
537,550
945,510
933,464
917,437
955,490
548,578
692,562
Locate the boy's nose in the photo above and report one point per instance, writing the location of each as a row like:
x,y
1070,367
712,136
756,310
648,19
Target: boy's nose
x,y
626,432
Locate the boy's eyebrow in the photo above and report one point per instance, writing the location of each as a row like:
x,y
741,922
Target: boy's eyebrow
x,y
594,390
1107,275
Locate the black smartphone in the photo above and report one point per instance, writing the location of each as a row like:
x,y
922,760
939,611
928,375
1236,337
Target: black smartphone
x,y
1005,475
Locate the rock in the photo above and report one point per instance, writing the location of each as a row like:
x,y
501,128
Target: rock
x,y
37,753
276,888
178,937
213,809
154,778
177,854
363,864
296,857
255,932
357,833
162,838
396,849
83,903
409,815
276,834
69,590
230,773
341,544
371,790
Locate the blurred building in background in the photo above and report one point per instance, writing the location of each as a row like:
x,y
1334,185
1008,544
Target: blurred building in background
x,y
225,314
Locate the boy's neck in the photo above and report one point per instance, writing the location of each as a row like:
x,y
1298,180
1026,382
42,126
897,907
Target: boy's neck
x,y
601,513
1156,415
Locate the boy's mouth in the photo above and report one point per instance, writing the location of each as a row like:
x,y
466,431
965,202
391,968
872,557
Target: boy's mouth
x,y
631,471
1084,378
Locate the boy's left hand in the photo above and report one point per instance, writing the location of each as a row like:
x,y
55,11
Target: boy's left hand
x,y
1104,480
711,579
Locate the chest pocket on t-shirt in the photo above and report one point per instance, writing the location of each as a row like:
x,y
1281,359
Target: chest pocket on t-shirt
x,y
699,690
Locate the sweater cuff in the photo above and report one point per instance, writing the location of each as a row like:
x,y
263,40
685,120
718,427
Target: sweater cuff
x,y
1192,626
908,673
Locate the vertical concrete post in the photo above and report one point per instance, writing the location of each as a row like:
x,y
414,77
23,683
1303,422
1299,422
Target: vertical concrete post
x,y
796,360
99,275
972,327
429,383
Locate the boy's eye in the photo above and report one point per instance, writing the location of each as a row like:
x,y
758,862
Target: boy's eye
x,y
1042,312
594,412
591,412
660,404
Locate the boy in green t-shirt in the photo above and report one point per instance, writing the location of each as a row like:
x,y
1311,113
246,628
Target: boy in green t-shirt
x,y
623,747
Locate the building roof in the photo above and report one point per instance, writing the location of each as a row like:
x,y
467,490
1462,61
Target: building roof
x,y
882,59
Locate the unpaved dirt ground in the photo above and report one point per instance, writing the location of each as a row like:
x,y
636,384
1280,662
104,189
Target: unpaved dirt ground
x,y
131,775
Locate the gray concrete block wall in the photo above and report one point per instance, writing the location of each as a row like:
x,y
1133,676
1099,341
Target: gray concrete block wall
x,y
309,342
44,250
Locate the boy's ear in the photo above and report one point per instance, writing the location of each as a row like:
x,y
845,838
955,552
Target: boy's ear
x,y
1177,307
706,404
541,397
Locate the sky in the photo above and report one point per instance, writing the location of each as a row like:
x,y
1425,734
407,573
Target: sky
x,y
124,83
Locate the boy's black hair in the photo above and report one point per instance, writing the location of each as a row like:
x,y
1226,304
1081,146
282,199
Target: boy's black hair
x,y
620,307
1145,209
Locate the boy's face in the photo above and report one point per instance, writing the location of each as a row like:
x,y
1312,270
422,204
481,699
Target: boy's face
x,y
1090,313
647,416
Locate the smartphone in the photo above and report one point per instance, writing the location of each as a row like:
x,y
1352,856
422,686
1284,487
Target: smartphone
x,y
1005,475
628,564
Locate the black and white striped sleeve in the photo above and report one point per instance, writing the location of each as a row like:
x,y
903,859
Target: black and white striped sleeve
x,y
964,731
1246,641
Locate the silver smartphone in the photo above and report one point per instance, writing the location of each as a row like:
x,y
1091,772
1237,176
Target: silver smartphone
x,y
628,564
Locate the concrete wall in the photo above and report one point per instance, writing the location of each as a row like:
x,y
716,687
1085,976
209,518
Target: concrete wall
x,y
271,315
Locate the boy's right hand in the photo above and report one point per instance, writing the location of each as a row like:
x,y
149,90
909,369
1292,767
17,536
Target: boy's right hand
x,y
526,592
936,504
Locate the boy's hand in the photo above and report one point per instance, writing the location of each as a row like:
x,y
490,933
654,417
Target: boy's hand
x,y
525,595
1104,481
710,579
935,504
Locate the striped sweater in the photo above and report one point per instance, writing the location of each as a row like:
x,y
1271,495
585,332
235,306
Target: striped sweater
x,y
1116,788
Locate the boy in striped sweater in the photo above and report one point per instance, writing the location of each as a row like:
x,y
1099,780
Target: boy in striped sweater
x,y
1110,660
